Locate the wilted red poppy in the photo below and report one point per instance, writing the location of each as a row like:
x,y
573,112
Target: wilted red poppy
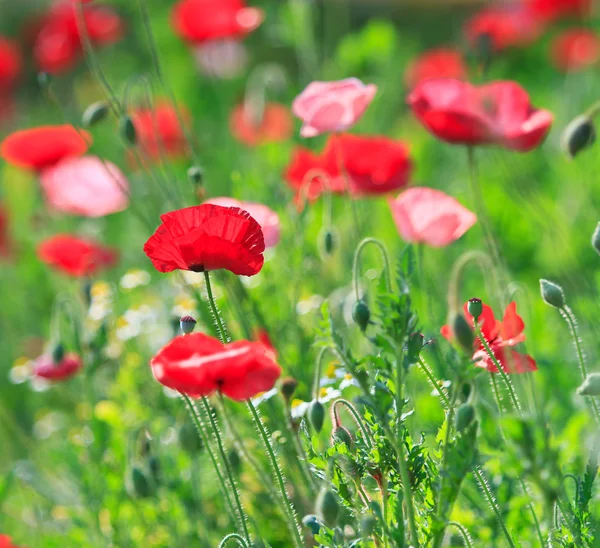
x,y
76,256
550,10
42,147
57,44
207,237
46,368
498,113
203,20
575,49
501,336
199,365
435,63
5,241
11,64
272,125
507,26
373,164
159,131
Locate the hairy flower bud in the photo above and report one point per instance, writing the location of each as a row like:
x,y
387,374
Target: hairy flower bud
x,y
138,484
316,415
187,324
189,437
579,134
342,435
415,345
327,507
552,294
465,415
328,240
590,386
475,307
58,353
463,333
196,175
361,314
311,522
127,130
288,387
94,113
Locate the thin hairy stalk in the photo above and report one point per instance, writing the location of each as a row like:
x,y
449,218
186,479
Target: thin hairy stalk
x,y
293,523
356,417
226,464
223,335
536,522
317,379
463,533
569,317
486,266
434,384
234,536
497,394
356,264
485,488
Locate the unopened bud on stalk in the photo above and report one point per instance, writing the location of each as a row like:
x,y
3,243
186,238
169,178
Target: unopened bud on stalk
x,y
187,324
475,307
465,415
342,435
234,460
58,353
596,239
327,507
465,391
137,483
367,525
288,387
579,134
361,314
463,333
127,129
94,113
328,240
590,386
316,414
311,522
196,175
552,294
415,345
189,437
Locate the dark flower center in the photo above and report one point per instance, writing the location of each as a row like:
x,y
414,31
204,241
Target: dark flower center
x,y
196,267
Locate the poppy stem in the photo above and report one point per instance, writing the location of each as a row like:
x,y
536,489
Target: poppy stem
x,y
293,523
234,536
356,417
434,384
356,264
463,533
501,371
317,379
222,330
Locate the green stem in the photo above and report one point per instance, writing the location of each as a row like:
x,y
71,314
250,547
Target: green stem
x,y
356,264
317,380
293,523
356,417
234,536
429,374
493,504
497,394
223,335
463,532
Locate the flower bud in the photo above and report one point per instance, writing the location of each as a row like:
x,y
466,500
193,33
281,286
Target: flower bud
x,y
361,314
154,467
234,460
552,294
596,239
316,415
188,437
58,353
327,507
342,435
94,114
127,130
415,345
590,386
138,485
288,387
579,134
328,240
475,307
463,333
465,415
367,525
196,175
187,324
311,522
465,391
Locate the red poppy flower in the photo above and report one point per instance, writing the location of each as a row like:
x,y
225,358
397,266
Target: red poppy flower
x,y
6,542
501,336
548,11
498,113
46,368
75,256
159,130
505,27
275,124
575,49
207,237
202,20
11,64
42,147
199,365
435,63
262,336
373,164
5,241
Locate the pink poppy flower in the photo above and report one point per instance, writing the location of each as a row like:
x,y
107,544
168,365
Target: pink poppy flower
x,y
429,216
46,368
332,106
575,49
85,186
263,215
497,113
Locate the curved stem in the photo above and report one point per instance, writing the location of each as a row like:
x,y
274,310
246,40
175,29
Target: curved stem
x,y
356,417
317,379
234,536
356,263
223,335
293,523
463,532
485,265
429,374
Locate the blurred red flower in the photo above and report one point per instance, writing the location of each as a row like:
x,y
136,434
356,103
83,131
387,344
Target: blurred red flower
x,y
497,113
199,365
262,336
207,237
435,63
429,216
76,256
575,49
6,542
548,11
203,20
11,64
505,27
42,147
57,43
500,336
274,124
159,131
46,368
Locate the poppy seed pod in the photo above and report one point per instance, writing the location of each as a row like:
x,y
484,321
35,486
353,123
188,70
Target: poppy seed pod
x,y
288,387
361,314
137,483
465,392
94,113
328,508
196,175
475,307
590,386
316,414
596,239
342,435
328,241
415,345
552,294
463,332
579,134
187,324
311,522
58,353
127,130
465,415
